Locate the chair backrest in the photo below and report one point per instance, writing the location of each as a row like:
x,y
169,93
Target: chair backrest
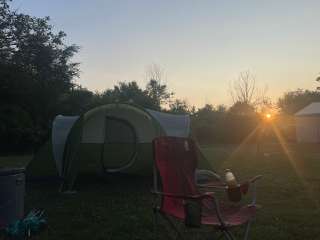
x,y
176,162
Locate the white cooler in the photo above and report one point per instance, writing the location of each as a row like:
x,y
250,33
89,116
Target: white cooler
x,y
12,190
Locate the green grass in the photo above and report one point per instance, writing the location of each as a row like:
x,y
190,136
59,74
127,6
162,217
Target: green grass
x,y
15,161
120,207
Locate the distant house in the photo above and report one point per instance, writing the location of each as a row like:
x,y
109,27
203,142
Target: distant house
x,y
308,124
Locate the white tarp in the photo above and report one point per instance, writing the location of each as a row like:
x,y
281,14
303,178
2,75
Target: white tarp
x,y
61,127
173,125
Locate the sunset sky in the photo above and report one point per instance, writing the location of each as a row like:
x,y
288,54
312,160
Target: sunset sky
x,y
202,45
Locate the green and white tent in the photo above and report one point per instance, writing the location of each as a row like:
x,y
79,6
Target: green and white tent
x,y
117,137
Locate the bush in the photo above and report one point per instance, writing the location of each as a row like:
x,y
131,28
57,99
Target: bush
x,y
16,130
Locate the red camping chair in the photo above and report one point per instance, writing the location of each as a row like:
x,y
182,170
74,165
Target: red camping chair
x,y
175,163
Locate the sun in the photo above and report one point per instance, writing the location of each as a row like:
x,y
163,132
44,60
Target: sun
x,y
268,117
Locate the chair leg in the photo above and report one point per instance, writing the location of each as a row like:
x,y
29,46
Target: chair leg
x,y
173,227
155,224
220,236
228,235
247,230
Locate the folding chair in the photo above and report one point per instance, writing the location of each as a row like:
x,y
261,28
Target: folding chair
x,y
174,173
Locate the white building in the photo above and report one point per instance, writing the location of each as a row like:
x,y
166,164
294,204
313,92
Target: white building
x,y
308,124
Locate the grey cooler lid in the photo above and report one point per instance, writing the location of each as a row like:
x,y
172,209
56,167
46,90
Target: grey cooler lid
x,y
5,171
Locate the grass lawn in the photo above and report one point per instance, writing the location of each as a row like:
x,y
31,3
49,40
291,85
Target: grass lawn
x,y
120,207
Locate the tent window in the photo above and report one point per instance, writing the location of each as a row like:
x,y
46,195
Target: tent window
x,y
118,131
120,147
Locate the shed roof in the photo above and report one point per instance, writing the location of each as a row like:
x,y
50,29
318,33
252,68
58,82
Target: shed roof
x,y
311,109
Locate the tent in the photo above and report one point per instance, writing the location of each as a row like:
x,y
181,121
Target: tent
x,y
114,138
308,124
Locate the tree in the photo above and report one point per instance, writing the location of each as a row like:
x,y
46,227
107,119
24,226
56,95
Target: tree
x,y
35,65
318,80
180,106
208,124
244,90
129,92
77,101
155,88
293,101
155,72
242,108
17,130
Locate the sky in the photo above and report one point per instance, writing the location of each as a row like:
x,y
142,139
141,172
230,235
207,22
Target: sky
x,y
201,45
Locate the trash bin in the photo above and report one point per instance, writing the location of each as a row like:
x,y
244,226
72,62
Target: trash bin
x,y
12,190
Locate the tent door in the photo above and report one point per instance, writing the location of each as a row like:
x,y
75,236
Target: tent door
x,y
120,145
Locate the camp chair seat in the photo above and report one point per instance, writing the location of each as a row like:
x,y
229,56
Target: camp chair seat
x,y
233,215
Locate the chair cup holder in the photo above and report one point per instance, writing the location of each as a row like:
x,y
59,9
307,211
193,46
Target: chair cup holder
x,y
234,194
192,211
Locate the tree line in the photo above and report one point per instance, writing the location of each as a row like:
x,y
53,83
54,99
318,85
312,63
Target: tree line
x,y
38,81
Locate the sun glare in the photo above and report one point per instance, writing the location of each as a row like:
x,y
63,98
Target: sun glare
x,y
268,115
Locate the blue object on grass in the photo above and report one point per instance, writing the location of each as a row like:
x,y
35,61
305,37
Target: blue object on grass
x,y
30,225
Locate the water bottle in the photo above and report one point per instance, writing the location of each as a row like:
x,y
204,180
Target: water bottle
x,y
230,179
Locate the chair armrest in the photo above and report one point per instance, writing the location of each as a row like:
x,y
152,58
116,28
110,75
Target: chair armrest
x,y
190,197
214,186
222,186
254,190
254,179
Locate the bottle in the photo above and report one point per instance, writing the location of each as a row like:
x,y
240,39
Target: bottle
x,y
230,179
